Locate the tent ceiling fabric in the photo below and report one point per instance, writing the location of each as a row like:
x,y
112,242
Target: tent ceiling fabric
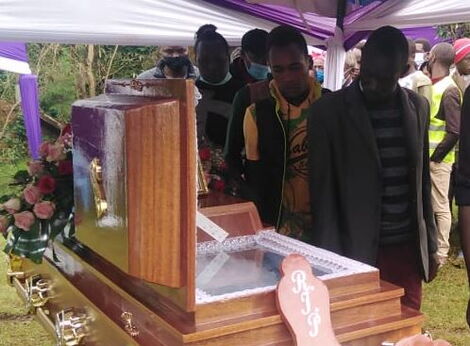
x,y
161,22
14,58
125,22
415,13
326,8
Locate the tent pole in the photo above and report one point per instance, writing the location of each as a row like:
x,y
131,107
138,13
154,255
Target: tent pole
x,y
335,56
341,13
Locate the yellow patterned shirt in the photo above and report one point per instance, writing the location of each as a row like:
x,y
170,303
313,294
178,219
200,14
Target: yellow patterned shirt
x,y
295,215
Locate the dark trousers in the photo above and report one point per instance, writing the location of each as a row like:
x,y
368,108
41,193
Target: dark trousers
x,y
398,264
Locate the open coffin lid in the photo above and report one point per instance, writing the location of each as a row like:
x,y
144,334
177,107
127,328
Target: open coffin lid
x,y
191,270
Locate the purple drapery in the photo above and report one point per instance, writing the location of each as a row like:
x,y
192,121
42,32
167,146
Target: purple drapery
x,y
429,33
14,51
318,26
29,95
30,107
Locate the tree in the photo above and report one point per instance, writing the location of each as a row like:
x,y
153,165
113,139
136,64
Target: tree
x,y
65,73
454,31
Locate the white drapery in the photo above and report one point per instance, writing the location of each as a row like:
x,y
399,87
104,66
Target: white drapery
x,y
123,22
334,64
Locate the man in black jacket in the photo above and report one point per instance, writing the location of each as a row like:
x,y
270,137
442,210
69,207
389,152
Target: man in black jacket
x,y
370,188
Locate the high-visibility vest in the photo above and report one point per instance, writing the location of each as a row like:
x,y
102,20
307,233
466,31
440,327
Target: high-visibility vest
x,y
437,127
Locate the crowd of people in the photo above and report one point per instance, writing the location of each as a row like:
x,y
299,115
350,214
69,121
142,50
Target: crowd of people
x,y
369,171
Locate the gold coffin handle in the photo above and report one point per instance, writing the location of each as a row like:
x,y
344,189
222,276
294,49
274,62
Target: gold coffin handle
x,y
41,314
97,185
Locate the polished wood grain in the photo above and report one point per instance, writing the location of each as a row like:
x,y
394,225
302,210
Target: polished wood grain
x,y
216,198
160,292
188,192
153,193
178,139
162,323
408,319
237,219
351,284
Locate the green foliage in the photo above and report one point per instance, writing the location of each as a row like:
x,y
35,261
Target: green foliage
x,y
7,86
454,31
6,173
13,146
21,177
57,93
66,73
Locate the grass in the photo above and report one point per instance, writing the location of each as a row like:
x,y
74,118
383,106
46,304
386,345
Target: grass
x,y
6,173
444,304
16,326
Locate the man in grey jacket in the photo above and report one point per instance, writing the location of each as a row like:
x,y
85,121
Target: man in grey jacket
x,y
369,170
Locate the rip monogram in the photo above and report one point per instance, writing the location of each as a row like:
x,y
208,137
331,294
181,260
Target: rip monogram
x,y
302,289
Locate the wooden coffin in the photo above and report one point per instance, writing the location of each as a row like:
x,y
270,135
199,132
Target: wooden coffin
x,y
364,310
135,201
143,273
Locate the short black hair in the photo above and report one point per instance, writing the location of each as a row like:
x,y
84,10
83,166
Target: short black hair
x,y
254,42
285,35
426,44
388,42
208,33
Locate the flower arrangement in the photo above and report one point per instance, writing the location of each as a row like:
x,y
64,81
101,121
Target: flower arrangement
x,y
43,205
214,167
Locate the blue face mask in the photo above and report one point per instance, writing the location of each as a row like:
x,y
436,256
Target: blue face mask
x,y
319,76
258,71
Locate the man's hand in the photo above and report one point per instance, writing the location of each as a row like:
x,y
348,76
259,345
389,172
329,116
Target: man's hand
x,y
433,266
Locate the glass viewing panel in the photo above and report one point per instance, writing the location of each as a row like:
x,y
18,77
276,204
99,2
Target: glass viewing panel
x,y
246,265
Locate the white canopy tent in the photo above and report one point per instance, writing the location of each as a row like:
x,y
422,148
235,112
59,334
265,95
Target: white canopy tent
x,y
163,22
123,22
414,13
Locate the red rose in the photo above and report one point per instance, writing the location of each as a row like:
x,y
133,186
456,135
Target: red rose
x,y
46,184
56,152
65,140
66,130
35,167
24,220
44,210
219,185
11,206
31,194
44,149
223,166
204,154
65,167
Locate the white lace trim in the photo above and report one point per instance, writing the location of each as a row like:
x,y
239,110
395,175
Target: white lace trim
x,y
339,265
